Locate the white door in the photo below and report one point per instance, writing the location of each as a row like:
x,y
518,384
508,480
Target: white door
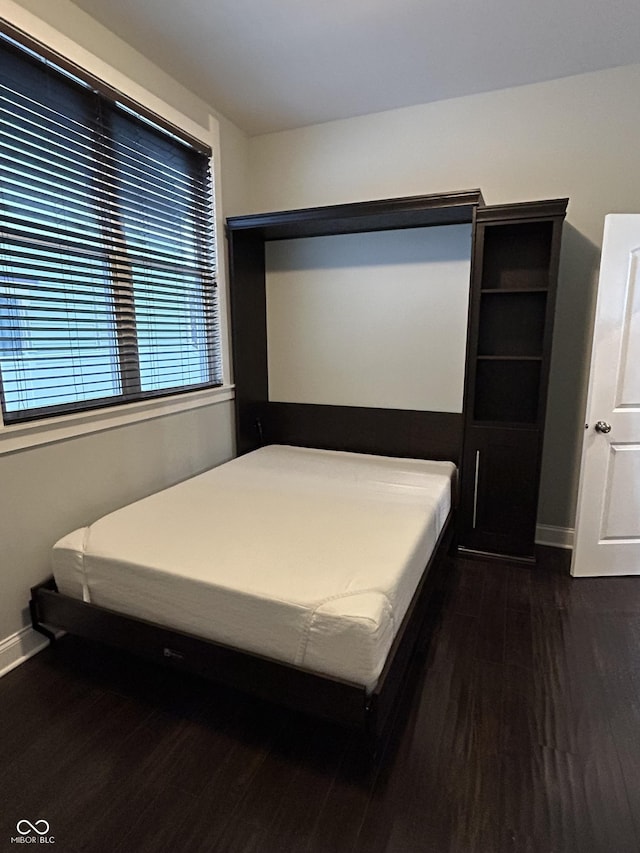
x,y
608,519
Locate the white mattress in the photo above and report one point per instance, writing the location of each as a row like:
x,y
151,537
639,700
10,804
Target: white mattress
x,y
307,556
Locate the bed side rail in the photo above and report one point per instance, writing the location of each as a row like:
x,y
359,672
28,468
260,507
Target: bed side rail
x,y
260,676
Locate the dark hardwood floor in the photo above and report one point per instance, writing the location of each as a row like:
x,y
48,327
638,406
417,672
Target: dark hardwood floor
x,y
520,732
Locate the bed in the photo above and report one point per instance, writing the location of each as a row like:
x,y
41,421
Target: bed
x,y
296,573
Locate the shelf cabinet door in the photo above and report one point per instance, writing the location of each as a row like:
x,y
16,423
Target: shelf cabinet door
x,y
500,491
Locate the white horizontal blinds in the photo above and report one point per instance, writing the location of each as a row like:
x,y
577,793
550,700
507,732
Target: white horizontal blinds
x,y
58,339
107,288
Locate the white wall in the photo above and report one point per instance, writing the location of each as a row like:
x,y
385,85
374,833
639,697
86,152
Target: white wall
x,y
56,486
349,317
574,137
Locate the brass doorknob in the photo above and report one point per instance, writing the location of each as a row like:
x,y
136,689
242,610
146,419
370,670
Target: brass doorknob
x,y
603,426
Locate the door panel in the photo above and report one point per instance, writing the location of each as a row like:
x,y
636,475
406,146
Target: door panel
x,y
608,518
628,391
620,518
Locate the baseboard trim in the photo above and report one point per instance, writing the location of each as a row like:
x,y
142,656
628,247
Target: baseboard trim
x,y
19,647
554,537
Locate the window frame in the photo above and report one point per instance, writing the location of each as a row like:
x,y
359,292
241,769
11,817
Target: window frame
x,y
110,82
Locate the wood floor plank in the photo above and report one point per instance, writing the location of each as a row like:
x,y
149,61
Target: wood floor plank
x,y
556,800
294,825
490,641
466,583
339,821
519,589
204,821
275,779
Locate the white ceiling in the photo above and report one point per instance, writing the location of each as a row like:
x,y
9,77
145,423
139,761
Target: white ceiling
x,y
275,64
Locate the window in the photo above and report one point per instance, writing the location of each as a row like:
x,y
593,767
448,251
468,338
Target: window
x,y
107,278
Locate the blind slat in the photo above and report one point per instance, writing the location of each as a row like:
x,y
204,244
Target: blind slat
x,y
110,243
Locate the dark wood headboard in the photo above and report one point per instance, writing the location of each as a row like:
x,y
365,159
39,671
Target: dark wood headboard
x,y
386,432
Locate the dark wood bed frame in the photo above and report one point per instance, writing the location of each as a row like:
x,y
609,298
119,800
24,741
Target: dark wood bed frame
x,y
330,698
422,435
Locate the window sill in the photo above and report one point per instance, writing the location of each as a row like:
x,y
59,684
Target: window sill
x,y
24,436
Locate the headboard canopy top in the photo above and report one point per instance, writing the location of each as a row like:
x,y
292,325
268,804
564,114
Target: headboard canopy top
x,y
413,212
